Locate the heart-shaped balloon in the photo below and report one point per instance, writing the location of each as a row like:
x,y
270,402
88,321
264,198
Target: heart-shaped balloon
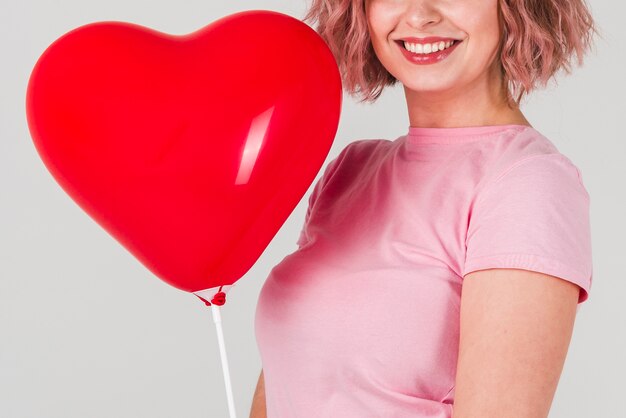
x,y
190,150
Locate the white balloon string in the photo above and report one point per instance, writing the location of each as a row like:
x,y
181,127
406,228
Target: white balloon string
x,y
220,339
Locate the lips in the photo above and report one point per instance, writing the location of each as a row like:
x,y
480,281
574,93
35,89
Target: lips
x,y
401,42
428,58
427,40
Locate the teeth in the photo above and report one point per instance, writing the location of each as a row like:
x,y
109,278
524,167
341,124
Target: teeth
x,y
427,48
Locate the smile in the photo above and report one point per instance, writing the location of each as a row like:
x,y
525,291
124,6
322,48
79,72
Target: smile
x,y
421,53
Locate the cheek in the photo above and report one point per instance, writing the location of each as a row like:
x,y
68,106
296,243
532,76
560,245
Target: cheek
x,y
481,22
381,17
482,29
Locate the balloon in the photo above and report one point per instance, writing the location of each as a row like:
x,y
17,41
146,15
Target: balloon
x,y
190,150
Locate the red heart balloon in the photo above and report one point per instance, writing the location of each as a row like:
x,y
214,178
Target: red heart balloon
x,y
191,150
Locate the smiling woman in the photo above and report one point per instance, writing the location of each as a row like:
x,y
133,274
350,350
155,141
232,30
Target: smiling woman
x,y
439,272
535,40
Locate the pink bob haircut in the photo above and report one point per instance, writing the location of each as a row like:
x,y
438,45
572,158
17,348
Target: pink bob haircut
x,y
539,38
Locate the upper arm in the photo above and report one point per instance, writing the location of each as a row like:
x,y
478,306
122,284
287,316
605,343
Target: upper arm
x,y
515,330
258,409
527,267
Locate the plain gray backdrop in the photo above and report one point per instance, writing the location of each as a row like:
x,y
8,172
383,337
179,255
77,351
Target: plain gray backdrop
x,y
88,331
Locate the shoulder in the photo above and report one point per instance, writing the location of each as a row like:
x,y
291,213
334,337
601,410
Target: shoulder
x,y
533,159
358,152
353,162
362,148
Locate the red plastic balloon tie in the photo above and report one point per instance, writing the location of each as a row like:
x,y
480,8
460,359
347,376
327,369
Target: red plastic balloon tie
x,y
219,298
206,302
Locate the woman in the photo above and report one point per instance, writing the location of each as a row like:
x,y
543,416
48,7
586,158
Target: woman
x,y
439,272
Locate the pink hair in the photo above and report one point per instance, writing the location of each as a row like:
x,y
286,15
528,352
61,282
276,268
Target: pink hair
x,y
539,38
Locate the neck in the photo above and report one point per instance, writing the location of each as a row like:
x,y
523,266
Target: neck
x,y
482,102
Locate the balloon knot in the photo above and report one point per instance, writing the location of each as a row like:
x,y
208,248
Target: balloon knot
x,y
219,299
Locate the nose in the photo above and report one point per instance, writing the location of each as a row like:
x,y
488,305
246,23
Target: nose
x,y
421,14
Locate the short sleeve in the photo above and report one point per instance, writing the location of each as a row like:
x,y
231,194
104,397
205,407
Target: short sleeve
x,y
317,190
534,216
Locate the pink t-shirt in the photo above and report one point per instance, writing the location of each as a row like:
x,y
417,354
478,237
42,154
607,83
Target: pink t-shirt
x,y
362,320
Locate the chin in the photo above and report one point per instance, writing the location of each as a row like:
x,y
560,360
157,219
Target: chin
x,y
425,87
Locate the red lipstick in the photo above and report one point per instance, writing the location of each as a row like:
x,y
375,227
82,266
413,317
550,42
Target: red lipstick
x,y
429,58
427,40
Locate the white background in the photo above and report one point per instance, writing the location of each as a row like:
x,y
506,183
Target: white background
x,y
88,331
